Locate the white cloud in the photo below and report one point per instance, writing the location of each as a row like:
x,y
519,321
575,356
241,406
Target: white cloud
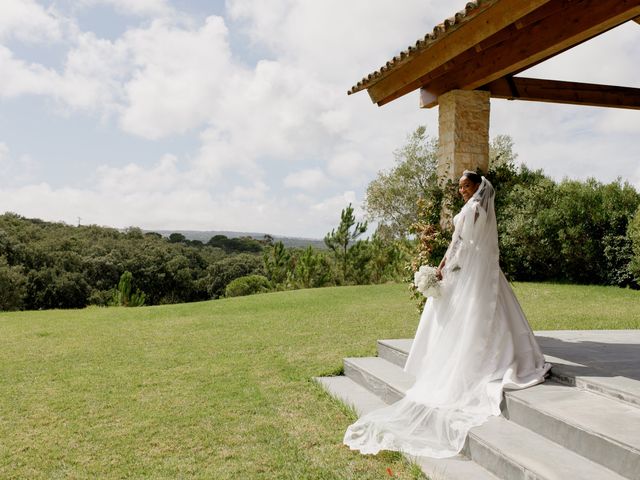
x,y
90,80
273,111
153,8
20,78
15,171
635,178
312,179
160,178
93,74
335,40
178,77
28,21
162,79
336,121
257,191
183,208
4,153
617,121
566,140
350,164
328,210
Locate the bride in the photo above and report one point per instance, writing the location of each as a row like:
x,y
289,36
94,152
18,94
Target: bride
x,y
472,342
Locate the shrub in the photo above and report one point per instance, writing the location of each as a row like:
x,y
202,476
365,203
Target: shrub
x,y
222,272
54,288
13,286
247,285
633,233
618,257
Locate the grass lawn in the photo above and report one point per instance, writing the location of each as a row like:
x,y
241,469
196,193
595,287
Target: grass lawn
x,y
219,389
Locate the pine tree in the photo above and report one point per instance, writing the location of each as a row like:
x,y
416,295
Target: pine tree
x,y
340,241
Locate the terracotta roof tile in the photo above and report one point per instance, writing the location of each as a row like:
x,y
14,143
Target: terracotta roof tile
x,y
429,39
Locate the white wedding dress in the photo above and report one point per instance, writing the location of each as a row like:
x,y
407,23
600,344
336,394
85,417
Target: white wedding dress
x,y
472,342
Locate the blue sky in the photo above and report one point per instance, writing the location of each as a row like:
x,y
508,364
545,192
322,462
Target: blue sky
x,y
214,115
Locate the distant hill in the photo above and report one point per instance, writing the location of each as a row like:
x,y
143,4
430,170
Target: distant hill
x,y
205,235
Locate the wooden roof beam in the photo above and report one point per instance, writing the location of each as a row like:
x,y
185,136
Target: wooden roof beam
x,y
478,28
637,20
575,93
573,24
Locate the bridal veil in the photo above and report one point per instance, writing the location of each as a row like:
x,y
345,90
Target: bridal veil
x,y
472,342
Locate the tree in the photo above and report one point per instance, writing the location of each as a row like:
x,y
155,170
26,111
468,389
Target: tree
x,y
240,244
51,287
124,296
312,269
13,286
633,234
339,240
501,152
387,259
359,263
571,230
176,237
392,196
134,233
277,264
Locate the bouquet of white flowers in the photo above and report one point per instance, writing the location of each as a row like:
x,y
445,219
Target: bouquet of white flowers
x,y
426,281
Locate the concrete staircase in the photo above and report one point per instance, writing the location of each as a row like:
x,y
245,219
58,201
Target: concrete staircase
x,y
583,423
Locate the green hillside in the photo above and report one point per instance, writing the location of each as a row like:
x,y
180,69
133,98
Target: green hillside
x,y
219,389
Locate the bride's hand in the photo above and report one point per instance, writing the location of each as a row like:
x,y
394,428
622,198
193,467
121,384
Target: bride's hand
x,y
439,273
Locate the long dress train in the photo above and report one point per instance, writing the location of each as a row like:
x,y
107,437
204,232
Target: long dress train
x,y
472,342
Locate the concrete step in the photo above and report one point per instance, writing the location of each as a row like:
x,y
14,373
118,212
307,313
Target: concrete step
x,y
563,371
598,428
379,376
363,401
605,430
513,452
350,393
390,382
595,380
395,350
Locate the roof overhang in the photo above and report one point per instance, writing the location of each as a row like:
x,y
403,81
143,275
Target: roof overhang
x,y
489,42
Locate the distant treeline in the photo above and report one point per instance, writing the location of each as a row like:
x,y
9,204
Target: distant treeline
x,y
54,265
204,236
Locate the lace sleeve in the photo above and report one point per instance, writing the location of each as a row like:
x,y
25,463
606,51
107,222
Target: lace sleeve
x,y
453,249
464,235
452,255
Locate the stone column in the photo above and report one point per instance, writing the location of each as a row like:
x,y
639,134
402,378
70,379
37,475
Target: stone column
x,y
463,133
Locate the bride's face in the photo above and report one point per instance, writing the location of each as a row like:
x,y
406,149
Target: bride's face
x,y
467,188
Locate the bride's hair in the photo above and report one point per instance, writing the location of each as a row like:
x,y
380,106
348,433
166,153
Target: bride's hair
x,y
473,176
